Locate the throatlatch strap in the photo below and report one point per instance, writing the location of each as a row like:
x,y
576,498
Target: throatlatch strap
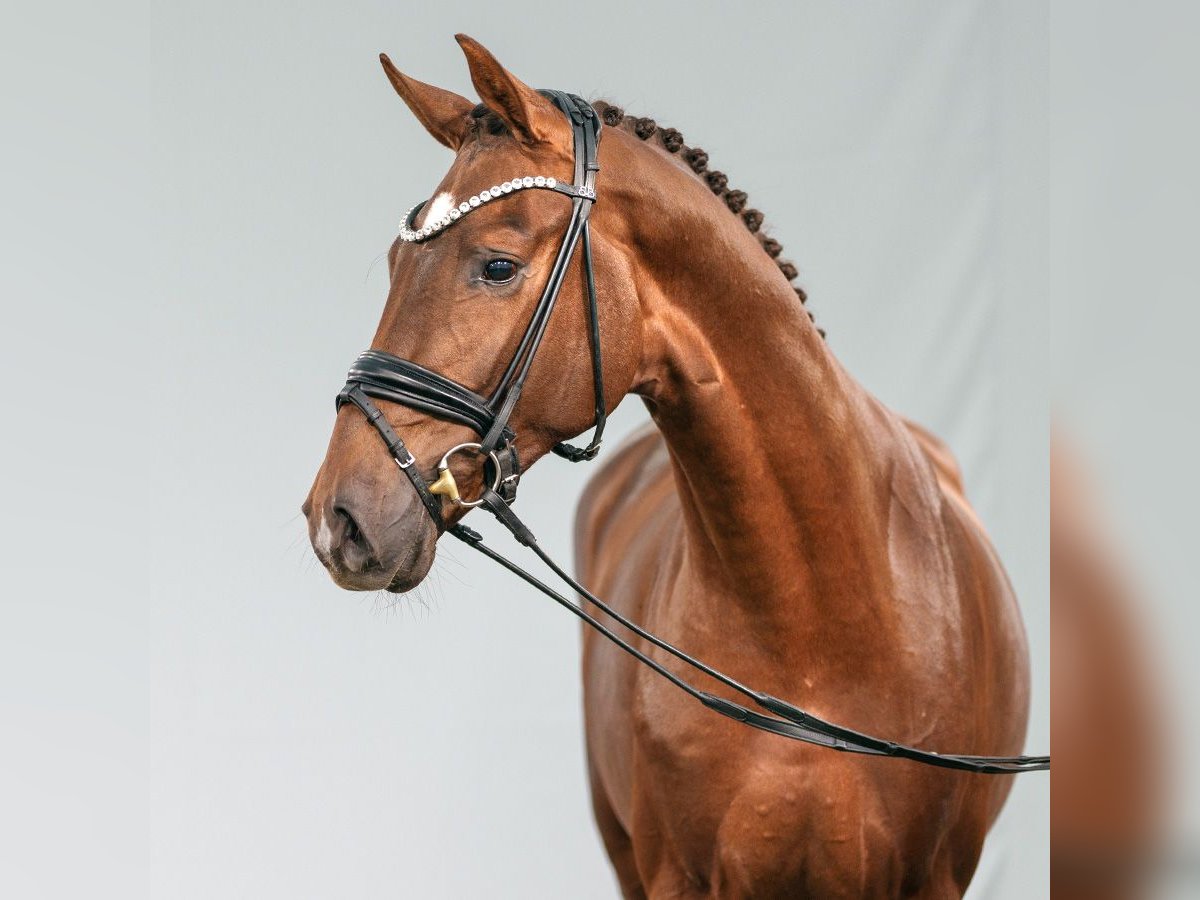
x,y
585,126
569,451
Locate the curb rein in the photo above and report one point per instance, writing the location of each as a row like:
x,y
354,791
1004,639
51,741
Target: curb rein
x,y
380,375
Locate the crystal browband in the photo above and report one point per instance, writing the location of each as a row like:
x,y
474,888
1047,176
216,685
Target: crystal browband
x,y
416,235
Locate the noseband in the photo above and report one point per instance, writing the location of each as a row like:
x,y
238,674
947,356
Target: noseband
x,y
383,376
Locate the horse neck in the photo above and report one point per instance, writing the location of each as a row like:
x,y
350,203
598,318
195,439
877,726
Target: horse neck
x,y
782,460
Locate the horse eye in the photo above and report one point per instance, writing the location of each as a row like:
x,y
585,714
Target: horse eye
x,y
499,270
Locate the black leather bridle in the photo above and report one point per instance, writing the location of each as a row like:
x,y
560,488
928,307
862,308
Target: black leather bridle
x,y
387,377
379,375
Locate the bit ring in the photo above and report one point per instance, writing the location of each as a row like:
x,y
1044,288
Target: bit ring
x,y
446,484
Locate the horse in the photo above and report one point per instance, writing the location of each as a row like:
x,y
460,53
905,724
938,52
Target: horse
x,y
775,519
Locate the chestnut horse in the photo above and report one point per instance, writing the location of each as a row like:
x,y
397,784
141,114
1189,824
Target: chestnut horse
x,y
777,521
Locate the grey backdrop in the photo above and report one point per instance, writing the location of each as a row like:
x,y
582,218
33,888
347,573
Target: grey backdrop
x,y
198,712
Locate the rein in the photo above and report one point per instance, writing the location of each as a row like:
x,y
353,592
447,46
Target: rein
x,y
383,376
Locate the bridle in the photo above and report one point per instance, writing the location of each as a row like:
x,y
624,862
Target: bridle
x,y
387,377
379,375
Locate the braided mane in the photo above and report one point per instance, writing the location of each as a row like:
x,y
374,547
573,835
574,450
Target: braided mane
x,y
718,183
697,159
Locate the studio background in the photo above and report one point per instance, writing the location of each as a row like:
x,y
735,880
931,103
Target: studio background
x,y
251,730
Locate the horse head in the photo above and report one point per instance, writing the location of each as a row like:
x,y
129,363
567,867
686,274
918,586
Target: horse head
x,y
460,304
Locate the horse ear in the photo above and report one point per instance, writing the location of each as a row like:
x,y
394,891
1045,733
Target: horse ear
x,y
530,117
445,114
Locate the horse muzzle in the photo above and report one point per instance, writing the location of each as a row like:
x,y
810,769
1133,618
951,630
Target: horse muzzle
x,y
370,541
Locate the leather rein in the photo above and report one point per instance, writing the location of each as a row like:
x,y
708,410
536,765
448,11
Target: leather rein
x,y
379,375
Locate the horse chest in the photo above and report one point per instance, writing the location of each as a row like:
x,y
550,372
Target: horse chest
x,y
692,771
727,812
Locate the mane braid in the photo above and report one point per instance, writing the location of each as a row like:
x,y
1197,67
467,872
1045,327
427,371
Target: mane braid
x,y
718,183
484,121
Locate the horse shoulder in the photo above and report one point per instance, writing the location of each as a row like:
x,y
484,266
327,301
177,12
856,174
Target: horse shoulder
x,y
992,635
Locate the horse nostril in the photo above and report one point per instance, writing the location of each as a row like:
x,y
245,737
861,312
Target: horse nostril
x,y
354,549
351,533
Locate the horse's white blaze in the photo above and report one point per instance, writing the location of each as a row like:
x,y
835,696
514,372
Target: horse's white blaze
x,y
438,207
324,540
